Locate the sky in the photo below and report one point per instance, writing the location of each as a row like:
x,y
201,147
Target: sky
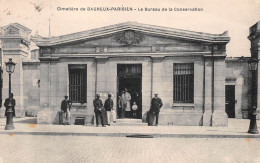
x,y
217,16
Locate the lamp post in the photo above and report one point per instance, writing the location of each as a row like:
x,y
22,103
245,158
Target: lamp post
x,y
10,65
253,65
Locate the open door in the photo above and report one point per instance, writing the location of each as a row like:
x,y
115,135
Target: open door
x,y
230,101
130,76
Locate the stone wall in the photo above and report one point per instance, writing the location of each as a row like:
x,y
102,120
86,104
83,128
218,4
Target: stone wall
x,y
237,73
31,81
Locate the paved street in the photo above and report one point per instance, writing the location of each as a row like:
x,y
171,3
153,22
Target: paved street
x,y
29,148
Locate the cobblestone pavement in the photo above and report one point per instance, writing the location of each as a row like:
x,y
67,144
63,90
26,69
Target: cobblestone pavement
x,y
29,148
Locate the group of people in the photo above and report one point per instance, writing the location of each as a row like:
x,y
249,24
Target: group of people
x,y
124,108
109,108
124,105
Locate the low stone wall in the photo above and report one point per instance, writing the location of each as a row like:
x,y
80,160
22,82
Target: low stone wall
x,y
32,111
179,118
48,116
83,113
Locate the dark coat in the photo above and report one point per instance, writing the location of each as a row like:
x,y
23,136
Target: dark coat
x,y
64,105
6,106
156,104
98,105
108,104
121,102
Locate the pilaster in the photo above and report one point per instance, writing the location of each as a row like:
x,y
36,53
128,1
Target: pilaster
x,y
207,116
219,117
45,85
54,104
162,79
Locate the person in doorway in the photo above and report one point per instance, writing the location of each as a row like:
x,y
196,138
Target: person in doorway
x,y
98,106
109,109
137,99
156,105
121,105
7,103
65,108
128,104
134,108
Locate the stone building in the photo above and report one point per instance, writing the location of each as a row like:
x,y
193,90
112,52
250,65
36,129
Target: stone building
x,y
186,68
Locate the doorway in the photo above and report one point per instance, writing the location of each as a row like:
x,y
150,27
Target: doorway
x,y
230,100
129,76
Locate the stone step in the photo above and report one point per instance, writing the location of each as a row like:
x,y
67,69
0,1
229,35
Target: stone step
x,y
128,124
129,120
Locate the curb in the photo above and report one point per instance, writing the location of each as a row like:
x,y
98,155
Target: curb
x,y
133,135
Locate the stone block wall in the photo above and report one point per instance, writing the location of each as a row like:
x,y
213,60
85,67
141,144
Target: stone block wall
x,y
237,74
31,89
55,76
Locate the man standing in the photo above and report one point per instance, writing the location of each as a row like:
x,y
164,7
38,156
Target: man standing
x,y
109,108
128,104
98,105
7,103
122,105
156,104
65,108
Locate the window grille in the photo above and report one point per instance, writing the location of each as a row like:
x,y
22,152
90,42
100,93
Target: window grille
x,y
78,83
183,79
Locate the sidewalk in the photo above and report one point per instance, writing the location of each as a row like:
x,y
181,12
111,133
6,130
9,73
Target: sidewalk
x,y
27,126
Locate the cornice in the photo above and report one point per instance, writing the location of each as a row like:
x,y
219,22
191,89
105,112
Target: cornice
x,y
116,55
142,28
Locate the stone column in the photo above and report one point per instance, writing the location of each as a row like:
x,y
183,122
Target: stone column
x,y
146,85
219,117
208,93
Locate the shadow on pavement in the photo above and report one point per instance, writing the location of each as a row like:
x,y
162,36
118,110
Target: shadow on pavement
x,y
139,136
29,121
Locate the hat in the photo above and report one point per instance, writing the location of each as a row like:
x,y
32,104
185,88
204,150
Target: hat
x,y
11,94
156,93
98,94
110,94
66,96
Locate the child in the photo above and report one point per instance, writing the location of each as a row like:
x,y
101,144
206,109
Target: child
x,y
134,108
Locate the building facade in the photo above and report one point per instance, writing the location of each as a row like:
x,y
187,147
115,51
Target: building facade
x,y
187,70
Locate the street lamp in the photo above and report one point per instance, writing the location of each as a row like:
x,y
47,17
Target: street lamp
x,y
10,65
252,66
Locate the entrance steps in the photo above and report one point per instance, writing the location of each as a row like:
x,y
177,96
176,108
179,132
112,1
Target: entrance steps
x,y
128,122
